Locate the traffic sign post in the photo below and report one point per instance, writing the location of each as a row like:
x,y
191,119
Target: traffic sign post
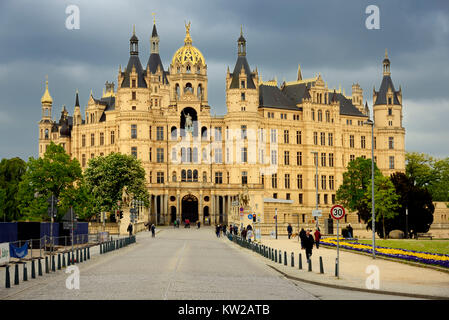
x,y
337,213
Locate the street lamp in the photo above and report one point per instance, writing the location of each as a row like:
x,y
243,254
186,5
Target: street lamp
x,y
371,123
316,183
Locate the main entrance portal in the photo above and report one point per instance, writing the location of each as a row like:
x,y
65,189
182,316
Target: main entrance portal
x,y
190,208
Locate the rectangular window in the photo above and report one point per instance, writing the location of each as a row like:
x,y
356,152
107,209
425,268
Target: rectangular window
x,y
375,142
92,155
112,137
315,138
83,160
134,131
173,154
331,159
323,159
351,157
323,182
274,157
83,140
331,139
92,139
218,155
299,158
150,132
287,181
300,200
299,181
244,152
218,177
287,196
134,152
273,135
274,180
262,179
286,158
243,132
325,199
101,138
323,138
217,133
331,182
298,137
362,142
160,177
333,199
261,156
133,83
150,154
243,96
390,142
351,141
244,177
160,155
133,95
391,162
286,136
160,133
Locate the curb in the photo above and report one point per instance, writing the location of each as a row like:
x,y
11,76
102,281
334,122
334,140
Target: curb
x,y
335,286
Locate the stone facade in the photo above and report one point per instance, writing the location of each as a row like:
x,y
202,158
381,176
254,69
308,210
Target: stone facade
x,y
197,164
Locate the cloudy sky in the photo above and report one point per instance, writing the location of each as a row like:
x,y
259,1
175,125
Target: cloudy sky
x,y
327,37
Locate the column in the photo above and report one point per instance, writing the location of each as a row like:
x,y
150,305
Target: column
x,y
178,206
228,210
166,218
212,211
200,208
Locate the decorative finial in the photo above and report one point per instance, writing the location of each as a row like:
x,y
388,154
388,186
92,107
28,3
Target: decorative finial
x,y
134,29
386,53
77,91
154,17
241,30
188,39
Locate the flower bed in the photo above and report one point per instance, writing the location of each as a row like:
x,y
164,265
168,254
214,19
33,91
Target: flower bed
x,y
409,255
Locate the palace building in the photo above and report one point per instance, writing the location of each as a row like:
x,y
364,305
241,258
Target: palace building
x,y
270,143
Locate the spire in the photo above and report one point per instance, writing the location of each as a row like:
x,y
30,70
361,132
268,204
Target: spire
x,y
241,43
154,40
133,43
46,98
77,102
299,73
386,64
187,39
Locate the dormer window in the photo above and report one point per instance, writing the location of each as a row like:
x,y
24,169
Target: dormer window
x,y
242,84
133,95
390,111
188,69
243,96
389,100
133,83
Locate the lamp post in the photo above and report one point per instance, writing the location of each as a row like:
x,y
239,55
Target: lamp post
x,y
276,220
373,218
315,153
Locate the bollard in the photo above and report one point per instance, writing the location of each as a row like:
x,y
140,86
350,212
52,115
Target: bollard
x,y
59,261
101,248
39,267
46,265
309,261
53,263
276,255
25,272
116,242
77,255
63,260
16,274
7,279
336,268
33,270
272,254
293,259
300,261
321,265
88,253
69,262
81,255
85,256
280,256
285,258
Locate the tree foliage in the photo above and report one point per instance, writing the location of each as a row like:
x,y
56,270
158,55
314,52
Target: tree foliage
x,y
55,173
386,203
352,192
11,172
106,177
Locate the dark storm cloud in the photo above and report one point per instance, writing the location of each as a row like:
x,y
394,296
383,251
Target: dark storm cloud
x,y
323,36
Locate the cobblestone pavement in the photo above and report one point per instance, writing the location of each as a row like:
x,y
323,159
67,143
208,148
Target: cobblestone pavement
x,y
177,264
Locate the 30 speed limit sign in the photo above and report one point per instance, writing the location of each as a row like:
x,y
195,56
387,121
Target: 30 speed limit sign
x,y
337,212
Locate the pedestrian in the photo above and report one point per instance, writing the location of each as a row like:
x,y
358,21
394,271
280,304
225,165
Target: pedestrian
x,y
217,230
317,237
308,244
153,230
289,230
174,224
224,229
130,229
302,233
149,226
349,228
249,235
244,232
199,224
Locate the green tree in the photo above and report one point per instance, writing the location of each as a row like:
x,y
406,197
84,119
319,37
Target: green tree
x,y
11,172
55,173
417,200
106,177
439,186
386,202
419,168
352,192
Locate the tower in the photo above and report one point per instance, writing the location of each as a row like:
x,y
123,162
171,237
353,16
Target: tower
x,y
45,124
387,115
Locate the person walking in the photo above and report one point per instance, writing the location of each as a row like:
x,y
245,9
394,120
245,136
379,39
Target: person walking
x,y
308,244
317,237
244,232
153,231
224,229
349,228
130,229
302,234
249,235
199,224
174,224
289,230
217,230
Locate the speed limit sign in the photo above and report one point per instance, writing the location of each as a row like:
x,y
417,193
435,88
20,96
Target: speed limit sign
x,y
337,212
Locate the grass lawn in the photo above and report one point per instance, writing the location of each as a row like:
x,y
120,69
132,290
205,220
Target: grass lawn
x,y
432,246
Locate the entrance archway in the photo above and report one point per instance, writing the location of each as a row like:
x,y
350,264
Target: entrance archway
x,y
190,208
206,216
172,214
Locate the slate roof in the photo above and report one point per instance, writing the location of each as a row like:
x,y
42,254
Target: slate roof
x,y
382,93
272,97
297,92
153,62
134,61
154,33
346,106
242,62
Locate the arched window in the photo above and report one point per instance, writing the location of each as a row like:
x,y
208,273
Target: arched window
x,y
320,115
189,175
204,158
189,155
173,176
328,116
183,176
200,92
188,68
313,115
46,134
173,133
173,154
188,88
204,176
195,175
204,133
177,91
195,155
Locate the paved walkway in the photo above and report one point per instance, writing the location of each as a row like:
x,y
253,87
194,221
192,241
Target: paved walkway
x,y
394,276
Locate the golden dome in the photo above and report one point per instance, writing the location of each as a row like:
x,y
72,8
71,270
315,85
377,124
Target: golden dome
x,y
188,53
46,98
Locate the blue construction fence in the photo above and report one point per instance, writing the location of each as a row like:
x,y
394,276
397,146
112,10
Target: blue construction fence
x,y
14,231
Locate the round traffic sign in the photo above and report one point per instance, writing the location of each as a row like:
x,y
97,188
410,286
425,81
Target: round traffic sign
x,y
241,208
337,212
250,216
